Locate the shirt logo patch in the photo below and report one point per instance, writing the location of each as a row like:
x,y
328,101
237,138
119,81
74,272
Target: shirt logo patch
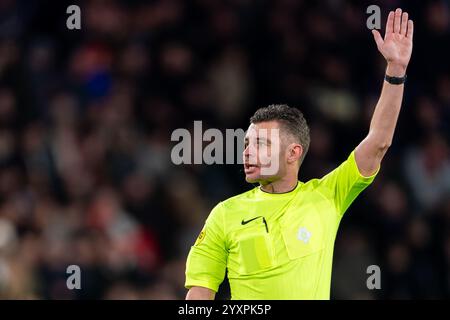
x,y
200,238
303,235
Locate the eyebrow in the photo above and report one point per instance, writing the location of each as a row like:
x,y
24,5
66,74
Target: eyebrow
x,y
258,139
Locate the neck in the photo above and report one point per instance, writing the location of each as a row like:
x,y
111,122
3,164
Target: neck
x,y
282,185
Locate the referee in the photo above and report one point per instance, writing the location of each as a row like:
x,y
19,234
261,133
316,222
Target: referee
x,y
277,240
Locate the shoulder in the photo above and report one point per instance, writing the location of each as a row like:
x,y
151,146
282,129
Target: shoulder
x,y
238,200
319,186
232,204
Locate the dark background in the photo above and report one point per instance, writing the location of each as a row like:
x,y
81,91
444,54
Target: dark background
x,y
86,118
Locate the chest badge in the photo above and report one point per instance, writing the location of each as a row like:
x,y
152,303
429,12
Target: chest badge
x,y
303,235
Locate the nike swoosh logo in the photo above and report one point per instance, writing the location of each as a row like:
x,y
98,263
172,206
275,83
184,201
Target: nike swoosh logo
x,y
245,222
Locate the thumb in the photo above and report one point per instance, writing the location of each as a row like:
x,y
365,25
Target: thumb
x,y
377,36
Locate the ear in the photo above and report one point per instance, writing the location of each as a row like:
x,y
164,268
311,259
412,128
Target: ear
x,y
295,152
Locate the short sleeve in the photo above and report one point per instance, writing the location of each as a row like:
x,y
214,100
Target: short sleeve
x,y
207,259
346,183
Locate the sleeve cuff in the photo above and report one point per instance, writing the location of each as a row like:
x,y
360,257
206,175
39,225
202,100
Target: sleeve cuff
x,y
200,283
361,176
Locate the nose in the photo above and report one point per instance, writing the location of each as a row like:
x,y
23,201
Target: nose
x,y
246,152
250,153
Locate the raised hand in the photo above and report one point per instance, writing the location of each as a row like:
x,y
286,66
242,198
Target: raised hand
x,y
396,47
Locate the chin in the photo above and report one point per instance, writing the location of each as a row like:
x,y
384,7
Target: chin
x,y
260,179
251,179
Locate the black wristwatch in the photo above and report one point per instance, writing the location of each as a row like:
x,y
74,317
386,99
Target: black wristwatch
x,y
395,80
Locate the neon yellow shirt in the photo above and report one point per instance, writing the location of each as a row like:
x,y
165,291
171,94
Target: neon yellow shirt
x,y
276,246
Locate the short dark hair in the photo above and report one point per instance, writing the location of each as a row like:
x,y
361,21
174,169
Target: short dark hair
x,y
291,119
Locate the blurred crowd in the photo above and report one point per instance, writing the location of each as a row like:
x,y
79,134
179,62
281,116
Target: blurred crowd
x,y
86,118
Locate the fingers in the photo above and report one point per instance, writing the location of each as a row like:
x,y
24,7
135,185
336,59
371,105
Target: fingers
x,y
404,23
377,37
410,31
390,22
397,20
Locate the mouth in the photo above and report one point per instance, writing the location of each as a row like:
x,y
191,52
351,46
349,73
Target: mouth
x,y
249,167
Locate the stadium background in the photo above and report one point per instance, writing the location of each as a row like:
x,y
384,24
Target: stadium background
x,y
86,117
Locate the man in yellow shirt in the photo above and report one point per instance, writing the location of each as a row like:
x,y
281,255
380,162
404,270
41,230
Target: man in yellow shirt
x,y
277,240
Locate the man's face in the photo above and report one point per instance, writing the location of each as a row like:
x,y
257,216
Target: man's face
x,y
263,160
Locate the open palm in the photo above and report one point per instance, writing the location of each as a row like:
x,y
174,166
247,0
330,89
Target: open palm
x,y
396,47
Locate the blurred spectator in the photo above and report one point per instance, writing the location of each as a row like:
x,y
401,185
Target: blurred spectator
x,y
427,171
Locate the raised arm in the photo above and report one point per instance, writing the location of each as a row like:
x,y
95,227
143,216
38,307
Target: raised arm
x,y
396,48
